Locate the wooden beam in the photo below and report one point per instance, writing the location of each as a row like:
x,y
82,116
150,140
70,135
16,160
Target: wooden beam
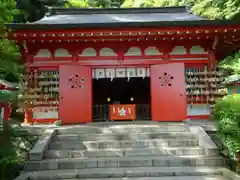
x,y
39,37
136,63
199,29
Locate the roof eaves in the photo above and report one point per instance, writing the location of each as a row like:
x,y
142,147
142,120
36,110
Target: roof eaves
x,y
153,24
8,84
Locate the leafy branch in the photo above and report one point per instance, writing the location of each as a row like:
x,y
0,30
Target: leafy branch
x,y
232,63
9,51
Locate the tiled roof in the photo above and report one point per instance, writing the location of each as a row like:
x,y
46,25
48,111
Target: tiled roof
x,y
68,18
101,16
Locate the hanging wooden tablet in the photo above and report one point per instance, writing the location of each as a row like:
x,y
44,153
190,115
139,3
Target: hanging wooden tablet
x,y
192,97
212,99
35,78
197,99
195,80
31,79
51,88
200,94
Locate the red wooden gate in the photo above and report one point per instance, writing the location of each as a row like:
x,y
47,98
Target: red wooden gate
x,y
75,86
168,93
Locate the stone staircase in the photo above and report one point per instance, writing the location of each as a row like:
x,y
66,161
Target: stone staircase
x,y
122,152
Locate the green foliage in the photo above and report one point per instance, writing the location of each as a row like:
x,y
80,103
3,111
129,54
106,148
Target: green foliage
x,y
31,10
93,3
227,117
231,63
218,9
15,143
105,3
128,4
207,8
8,96
9,54
76,3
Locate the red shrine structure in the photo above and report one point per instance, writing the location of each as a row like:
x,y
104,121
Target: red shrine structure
x,y
156,64
5,104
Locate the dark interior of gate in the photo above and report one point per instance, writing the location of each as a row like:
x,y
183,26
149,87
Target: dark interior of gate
x,y
131,89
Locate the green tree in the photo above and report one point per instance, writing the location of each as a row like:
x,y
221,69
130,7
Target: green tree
x,y
94,3
231,63
218,9
212,9
9,66
76,3
9,51
106,3
30,10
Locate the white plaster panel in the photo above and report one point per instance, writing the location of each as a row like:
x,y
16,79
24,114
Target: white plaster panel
x,y
197,50
45,115
89,52
180,59
152,51
107,52
198,110
43,53
179,50
133,51
61,53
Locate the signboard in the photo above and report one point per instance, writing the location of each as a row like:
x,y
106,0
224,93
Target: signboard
x,y
122,112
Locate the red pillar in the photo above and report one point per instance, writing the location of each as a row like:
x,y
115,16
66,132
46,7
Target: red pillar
x,y
235,88
6,112
28,116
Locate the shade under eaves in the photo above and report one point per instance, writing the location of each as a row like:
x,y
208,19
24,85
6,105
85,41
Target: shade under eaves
x,y
6,96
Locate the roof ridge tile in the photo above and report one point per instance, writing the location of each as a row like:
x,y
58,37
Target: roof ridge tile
x,y
79,11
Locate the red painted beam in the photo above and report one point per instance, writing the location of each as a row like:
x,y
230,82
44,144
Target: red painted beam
x,y
136,63
39,37
146,30
111,58
43,121
199,117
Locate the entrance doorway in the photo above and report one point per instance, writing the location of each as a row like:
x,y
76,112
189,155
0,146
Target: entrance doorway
x,y
86,93
135,90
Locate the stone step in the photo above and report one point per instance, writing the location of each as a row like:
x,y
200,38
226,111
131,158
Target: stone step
x,y
138,161
93,153
122,136
130,128
168,142
118,172
213,177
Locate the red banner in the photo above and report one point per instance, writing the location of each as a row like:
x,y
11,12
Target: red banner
x,y
123,112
